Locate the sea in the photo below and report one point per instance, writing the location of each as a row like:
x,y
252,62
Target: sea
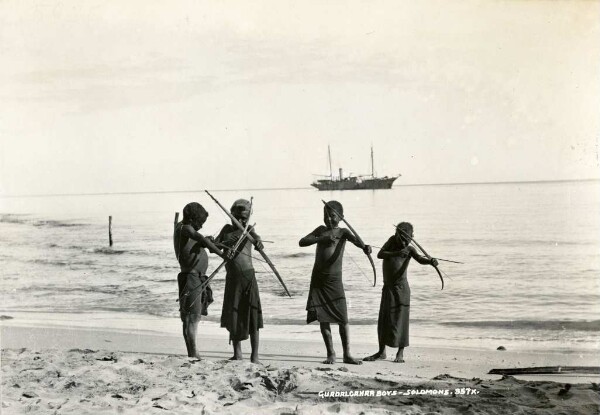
x,y
529,276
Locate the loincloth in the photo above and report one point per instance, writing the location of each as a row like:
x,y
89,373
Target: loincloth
x,y
193,299
394,314
242,311
326,299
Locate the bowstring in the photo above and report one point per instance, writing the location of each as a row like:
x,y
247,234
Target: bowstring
x,y
262,262
359,268
445,275
265,270
349,255
412,243
235,248
227,218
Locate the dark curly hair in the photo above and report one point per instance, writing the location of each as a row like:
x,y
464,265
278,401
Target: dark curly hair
x,y
406,227
334,205
194,214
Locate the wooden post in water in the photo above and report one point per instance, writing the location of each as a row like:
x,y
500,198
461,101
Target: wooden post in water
x,y
110,242
176,218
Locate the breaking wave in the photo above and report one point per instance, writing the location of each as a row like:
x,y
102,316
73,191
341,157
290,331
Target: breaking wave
x,y
25,220
108,251
557,325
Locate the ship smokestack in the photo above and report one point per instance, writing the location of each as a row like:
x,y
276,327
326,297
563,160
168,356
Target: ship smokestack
x,y
341,176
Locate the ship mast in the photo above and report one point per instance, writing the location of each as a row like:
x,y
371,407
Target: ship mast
x,y
372,163
329,154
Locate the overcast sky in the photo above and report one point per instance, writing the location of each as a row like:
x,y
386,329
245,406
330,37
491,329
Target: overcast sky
x,y
114,96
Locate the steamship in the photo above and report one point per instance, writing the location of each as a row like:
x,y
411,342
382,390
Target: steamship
x,y
350,182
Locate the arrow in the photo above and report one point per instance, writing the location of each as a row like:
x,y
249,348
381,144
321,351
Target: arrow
x,y
253,241
410,238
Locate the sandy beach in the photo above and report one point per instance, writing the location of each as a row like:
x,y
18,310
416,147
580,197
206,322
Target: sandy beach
x,y
57,369
127,128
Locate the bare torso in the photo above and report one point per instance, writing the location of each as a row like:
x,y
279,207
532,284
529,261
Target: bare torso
x,y
242,260
329,254
191,255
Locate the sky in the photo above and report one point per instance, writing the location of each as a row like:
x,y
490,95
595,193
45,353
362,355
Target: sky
x,y
109,96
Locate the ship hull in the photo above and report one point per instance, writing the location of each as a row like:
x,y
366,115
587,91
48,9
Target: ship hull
x,y
353,184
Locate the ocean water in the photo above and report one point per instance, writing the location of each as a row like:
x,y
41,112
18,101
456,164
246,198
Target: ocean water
x,y
530,278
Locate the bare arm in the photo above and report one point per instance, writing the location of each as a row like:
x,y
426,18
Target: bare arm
x,y
226,238
315,236
219,238
359,244
423,260
257,242
387,250
189,232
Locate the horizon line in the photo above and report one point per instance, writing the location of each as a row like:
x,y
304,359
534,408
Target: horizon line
x,y
291,188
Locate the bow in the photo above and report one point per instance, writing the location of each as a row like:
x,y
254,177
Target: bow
x,y
253,241
357,237
235,251
424,252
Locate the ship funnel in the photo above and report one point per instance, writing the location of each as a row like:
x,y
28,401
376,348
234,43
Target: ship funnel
x,y
341,176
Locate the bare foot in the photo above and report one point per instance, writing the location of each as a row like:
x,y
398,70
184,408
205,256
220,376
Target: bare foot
x,y
235,358
352,361
399,356
330,360
398,360
376,356
255,361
